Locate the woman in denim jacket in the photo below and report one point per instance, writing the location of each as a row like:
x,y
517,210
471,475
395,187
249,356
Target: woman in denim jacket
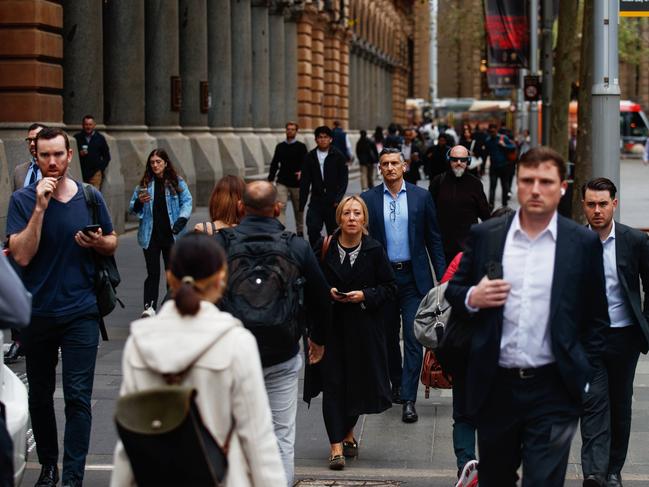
x,y
163,202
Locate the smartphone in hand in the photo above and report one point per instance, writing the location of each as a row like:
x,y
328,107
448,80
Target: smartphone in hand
x,y
91,228
494,270
340,294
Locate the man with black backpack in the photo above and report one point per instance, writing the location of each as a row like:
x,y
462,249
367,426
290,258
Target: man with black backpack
x,y
273,280
52,236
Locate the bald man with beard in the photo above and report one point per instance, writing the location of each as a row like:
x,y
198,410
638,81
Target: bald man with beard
x,y
460,201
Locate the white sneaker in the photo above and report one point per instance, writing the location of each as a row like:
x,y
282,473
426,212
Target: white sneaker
x,y
148,312
469,475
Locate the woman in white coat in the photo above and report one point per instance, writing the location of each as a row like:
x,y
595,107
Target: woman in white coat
x,y
227,374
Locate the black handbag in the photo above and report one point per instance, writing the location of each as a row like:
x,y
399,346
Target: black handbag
x,y
454,345
107,276
167,442
165,439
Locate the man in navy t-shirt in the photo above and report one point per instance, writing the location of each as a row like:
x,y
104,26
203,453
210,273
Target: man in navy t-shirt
x,y
45,227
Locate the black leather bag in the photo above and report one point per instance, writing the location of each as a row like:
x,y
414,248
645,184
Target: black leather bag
x,y
454,345
107,276
167,442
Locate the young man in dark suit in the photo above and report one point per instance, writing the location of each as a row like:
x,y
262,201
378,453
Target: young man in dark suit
x,y
531,287
325,176
606,420
402,218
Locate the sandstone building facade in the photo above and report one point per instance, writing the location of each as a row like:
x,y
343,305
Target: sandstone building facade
x,y
211,81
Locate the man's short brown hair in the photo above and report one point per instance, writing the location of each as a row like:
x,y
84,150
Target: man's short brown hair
x,y
50,133
290,122
538,155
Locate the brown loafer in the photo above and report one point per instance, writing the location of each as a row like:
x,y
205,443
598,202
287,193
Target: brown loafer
x,y
350,448
337,462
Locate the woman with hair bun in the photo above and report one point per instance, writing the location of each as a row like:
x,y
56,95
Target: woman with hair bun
x,y
223,360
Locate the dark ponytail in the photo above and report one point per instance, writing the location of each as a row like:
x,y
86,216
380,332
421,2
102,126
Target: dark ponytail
x,y
195,256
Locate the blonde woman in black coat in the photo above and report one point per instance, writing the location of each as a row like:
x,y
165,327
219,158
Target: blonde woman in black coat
x,y
354,371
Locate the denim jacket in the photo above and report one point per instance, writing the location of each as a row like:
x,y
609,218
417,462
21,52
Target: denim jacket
x,y
178,205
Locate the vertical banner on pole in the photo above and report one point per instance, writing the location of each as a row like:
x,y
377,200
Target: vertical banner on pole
x,y
507,28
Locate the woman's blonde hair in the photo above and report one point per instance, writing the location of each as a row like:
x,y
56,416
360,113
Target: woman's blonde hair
x,y
341,207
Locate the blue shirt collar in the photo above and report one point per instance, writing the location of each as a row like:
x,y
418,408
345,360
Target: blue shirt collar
x,y
402,190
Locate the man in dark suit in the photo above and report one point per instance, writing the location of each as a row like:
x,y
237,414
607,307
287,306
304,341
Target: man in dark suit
x,y
402,217
606,420
531,287
28,172
325,175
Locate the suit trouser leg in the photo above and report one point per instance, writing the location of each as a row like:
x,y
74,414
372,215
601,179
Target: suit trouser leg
x,y
463,425
409,299
294,196
282,197
532,420
595,423
392,343
314,222
622,359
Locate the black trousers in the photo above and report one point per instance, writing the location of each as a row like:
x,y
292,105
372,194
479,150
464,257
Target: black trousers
x,y
392,342
152,259
529,420
318,214
606,420
334,408
505,176
6,452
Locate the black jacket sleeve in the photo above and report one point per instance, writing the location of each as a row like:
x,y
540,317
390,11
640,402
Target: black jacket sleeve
x,y
644,271
343,179
595,319
305,182
274,164
385,288
317,301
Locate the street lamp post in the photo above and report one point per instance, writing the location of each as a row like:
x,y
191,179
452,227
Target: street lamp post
x,y
606,93
534,69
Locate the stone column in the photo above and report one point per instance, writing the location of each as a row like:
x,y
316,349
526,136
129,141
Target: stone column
x,y
161,41
83,77
305,72
124,53
277,61
291,69
219,64
193,17
193,59
343,100
331,78
242,65
353,90
317,75
161,63
260,64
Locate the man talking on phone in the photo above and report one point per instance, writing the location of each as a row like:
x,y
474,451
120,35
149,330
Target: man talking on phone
x,y
45,226
531,287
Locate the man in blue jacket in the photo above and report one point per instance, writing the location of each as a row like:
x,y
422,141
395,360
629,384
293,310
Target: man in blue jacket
x,y
498,146
403,219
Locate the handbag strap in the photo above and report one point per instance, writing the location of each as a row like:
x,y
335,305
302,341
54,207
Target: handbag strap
x,y
325,247
472,146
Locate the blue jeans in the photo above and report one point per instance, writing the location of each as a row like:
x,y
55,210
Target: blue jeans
x,y
78,336
408,300
281,387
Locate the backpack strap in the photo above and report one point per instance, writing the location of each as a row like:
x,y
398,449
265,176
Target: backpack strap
x,y
204,227
214,229
92,202
229,236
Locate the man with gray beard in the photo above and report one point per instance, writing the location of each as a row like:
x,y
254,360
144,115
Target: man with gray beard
x,y
460,201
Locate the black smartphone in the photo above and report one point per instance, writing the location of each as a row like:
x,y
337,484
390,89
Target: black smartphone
x,y
341,294
91,228
494,270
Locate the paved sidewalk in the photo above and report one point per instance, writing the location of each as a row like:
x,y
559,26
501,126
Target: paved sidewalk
x,y
391,453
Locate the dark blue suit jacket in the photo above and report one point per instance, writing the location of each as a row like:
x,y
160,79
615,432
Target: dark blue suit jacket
x,y
423,232
578,305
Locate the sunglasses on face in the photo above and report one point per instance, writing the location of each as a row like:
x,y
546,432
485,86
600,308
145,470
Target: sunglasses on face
x,y
459,159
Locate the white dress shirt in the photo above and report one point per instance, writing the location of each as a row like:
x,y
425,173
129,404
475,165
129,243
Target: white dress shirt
x,y
321,159
528,265
617,308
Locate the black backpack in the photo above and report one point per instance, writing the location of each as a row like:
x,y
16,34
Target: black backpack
x,y
265,287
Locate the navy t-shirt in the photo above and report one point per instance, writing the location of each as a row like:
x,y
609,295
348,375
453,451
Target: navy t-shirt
x,y
61,274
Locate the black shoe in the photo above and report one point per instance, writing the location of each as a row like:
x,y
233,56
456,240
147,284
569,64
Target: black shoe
x,y
396,395
409,414
13,353
49,476
614,480
594,480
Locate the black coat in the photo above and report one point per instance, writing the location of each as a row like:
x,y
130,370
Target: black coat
x,y
328,190
357,332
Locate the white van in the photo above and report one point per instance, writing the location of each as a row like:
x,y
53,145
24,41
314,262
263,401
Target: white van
x,y
13,394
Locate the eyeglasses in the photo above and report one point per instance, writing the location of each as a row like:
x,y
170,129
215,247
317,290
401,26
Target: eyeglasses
x,y
386,164
394,210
